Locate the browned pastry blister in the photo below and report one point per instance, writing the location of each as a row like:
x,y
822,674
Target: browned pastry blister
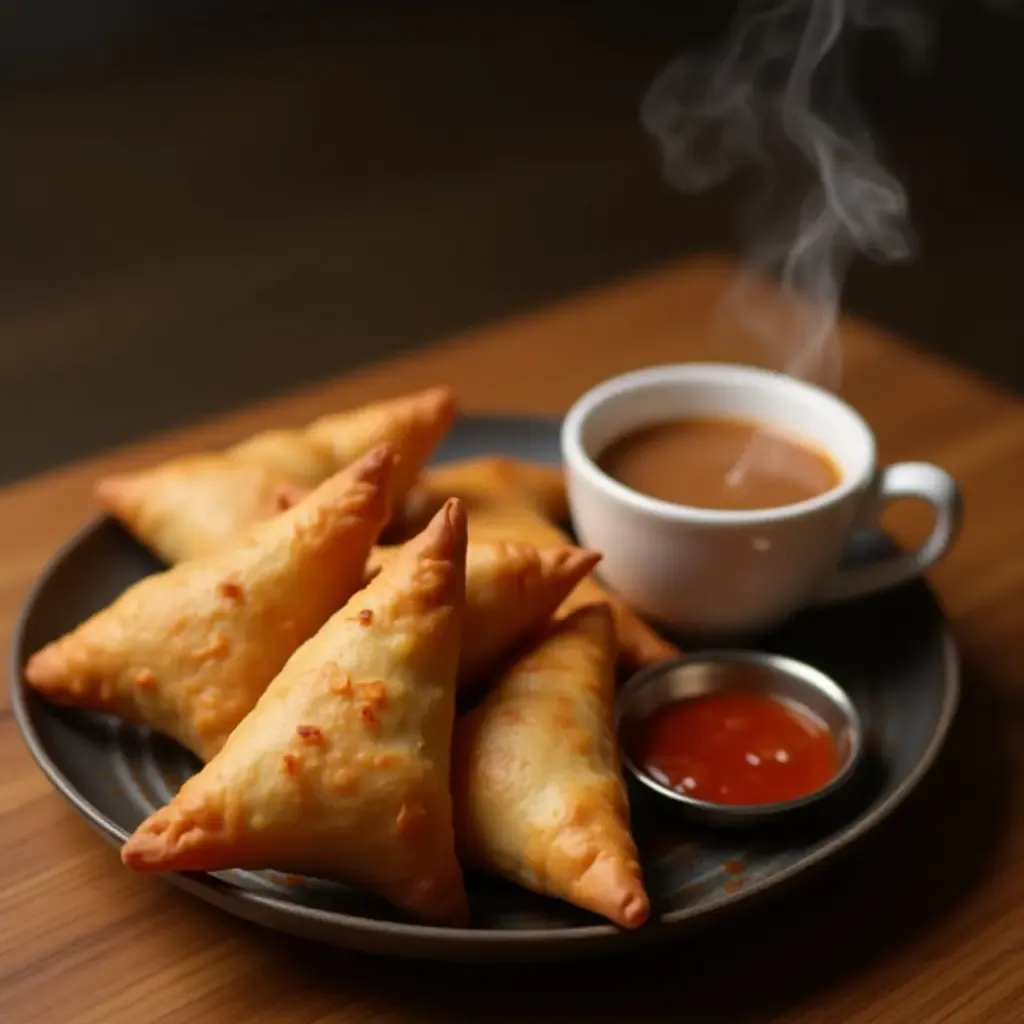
x,y
194,505
342,770
536,780
189,651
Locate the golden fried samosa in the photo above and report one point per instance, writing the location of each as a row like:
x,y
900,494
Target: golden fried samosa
x,y
342,768
191,506
479,482
639,645
512,590
189,651
537,786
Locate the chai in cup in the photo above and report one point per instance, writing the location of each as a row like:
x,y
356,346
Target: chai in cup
x,y
724,497
718,463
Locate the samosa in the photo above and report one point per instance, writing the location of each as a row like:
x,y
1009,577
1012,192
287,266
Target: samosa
x,y
188,651
342,769
536,780
191,506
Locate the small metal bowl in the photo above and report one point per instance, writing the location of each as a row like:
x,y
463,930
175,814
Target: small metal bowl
x,y
752,672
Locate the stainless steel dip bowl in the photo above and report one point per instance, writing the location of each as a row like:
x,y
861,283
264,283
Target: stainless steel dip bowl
x,y
720,671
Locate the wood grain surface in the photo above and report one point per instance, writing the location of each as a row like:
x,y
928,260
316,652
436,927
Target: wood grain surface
x,y
922,923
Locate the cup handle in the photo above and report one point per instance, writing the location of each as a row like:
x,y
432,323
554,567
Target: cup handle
x,y
902,480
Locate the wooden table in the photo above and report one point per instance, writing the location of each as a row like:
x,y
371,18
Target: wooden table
x,y
923,923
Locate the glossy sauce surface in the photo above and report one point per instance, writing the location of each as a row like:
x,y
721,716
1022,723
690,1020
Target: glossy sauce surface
x,y
726,464
738,748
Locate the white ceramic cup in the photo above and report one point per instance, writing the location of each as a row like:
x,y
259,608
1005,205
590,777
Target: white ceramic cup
x,y
726,573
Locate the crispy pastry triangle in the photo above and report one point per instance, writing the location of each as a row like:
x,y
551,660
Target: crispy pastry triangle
x,y
537,787
190,506
189,651
342,768
638,644
512,590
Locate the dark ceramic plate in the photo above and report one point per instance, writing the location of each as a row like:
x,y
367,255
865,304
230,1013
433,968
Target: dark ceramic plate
x,y
892,654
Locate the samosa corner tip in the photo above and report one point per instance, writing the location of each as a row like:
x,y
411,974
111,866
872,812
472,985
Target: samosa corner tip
x,y
569,560
614,888
157,845
635,910
116,492
142,851
444,537
440,400
47,670
373,471
375,465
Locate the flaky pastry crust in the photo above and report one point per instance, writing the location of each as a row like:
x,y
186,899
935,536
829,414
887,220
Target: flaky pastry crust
x,y
189,651
342,768
537,785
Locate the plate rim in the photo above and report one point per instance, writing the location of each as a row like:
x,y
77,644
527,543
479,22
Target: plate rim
x,y
197,882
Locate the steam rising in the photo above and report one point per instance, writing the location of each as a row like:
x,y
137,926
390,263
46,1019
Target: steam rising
x,y
774,102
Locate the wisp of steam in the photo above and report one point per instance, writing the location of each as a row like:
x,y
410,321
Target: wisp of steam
x,y
774,104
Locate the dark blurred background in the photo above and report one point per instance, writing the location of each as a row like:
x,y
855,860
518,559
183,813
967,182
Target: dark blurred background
x,y
205,202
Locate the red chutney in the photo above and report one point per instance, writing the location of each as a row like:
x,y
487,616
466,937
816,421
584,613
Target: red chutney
x,y
738,748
